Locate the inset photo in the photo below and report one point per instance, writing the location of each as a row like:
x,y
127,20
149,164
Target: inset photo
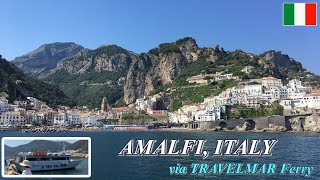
x,y
46,157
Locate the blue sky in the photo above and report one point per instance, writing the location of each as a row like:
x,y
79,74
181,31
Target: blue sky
x,y
251,25
14,143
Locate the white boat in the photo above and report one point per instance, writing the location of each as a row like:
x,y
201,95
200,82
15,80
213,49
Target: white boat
x,y
40,161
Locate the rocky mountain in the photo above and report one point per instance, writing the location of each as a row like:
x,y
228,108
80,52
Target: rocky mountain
x,y
81,145
158,67
104,58
18,85
45,146
46,57
92,74
123,76
167,67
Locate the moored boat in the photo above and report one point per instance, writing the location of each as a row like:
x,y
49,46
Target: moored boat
x,y
40,161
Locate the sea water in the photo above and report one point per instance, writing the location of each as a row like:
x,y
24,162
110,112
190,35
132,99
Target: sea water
x,y
297,149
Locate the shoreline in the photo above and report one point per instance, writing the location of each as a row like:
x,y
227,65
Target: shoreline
x,y
179,130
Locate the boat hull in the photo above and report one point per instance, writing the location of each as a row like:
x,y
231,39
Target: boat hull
x,y
51,165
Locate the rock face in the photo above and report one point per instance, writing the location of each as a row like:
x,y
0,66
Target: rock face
x,y
312,123
136,78
278,59
189,48
90,75
296,124
275,60
105,58
46,57
308,124
158,67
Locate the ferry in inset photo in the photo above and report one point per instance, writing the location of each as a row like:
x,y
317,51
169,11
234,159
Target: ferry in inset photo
x,y
46,157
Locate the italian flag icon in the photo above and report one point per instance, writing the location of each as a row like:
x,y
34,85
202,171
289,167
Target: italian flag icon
x,y
300,14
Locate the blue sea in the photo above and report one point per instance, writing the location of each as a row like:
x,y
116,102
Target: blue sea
x,y
296,149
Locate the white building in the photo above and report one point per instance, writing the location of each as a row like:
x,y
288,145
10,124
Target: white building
x,y
295,95
252,102
60,119
91,120
73,117
211,113
219,76
273,93
67,118
11,118
271,81
180,117
37,117
251,90
212,101
296,86
311,101
287,104
4,106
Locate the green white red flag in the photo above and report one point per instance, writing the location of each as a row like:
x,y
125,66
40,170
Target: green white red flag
x,y
300,14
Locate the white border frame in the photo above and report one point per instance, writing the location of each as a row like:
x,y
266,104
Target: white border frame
x,y
299,25
46,138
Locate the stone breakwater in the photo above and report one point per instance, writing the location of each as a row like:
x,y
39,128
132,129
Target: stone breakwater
x,y
305,124
49,129
290,123
44,130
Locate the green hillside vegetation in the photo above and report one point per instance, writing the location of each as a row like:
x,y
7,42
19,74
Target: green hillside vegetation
x,y
183,40
19,86
188,95
262,111
231,62
62,76
109,50
88,89
228,62
183,93
165,48
168,48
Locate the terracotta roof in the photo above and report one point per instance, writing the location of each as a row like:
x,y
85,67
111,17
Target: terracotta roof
x,y
269,78
240,87
157,115
156,111
120,109
316,91
313,94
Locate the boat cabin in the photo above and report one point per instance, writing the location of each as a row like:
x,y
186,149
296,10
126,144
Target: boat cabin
x,y
40,156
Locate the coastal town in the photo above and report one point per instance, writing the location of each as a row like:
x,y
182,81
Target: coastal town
x,y
294,98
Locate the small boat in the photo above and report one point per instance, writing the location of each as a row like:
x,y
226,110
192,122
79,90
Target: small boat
x,y
40,161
